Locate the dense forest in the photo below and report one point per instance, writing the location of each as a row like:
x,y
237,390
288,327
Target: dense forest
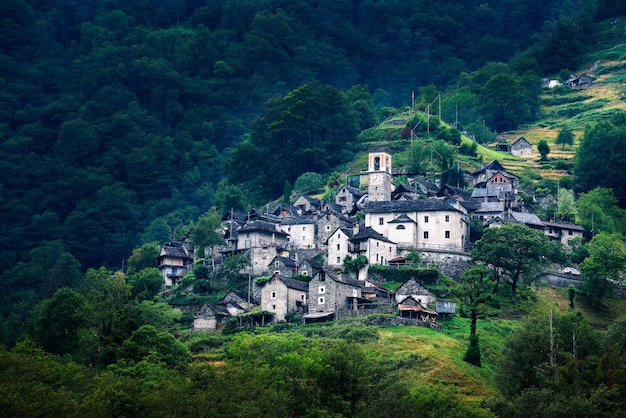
x,y
119,120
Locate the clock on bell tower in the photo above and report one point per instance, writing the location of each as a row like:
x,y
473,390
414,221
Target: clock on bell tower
x,y
379,175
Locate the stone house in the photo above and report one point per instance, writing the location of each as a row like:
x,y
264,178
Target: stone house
x,y
337,247
374,246
309,267
480,177
301,231
411,288
174,261
307,204
328,221
204,319
522,148
439,225
410,308
562,234
349,196
330,294
283,266
261,241
235,303
282,295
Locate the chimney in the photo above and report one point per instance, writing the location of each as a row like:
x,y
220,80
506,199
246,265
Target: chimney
x,y
355,228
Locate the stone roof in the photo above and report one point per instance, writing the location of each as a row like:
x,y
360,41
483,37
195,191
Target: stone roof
x,y
419,205
526,218
354,190
486,192
493,165
343,278
262,226
571,227
174,249
292,283
401,219
489,207
288,262
297,220
367,233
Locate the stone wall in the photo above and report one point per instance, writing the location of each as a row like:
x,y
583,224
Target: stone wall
x,y
451,264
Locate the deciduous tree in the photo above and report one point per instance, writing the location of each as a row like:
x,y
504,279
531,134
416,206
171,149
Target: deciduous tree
x,y
602,268
513,252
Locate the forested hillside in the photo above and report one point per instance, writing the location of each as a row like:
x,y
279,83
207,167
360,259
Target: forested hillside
x,y
117,118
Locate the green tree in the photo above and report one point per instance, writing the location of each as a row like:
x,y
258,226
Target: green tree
x,y
513,252
606,142
565,137
143,257
505,101
146,283
308,182
206,233
229,197
543,148
599,211
566,207
603,266
354,265
475,290
55,322
149,342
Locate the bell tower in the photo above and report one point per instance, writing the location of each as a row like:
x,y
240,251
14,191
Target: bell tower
x,y
379,175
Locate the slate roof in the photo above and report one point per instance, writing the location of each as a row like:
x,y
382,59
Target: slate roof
x,y
297,220
420,205
470,205
343,278
571,227
174,249
354,190
367,233
493,165
292,283
455,191
288,262
261,226
488,192
490,207
401,219
526,218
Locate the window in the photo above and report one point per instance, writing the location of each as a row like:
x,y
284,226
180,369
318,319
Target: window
x,y
570,232
322,290
426,219
273,295
447,218
355,293
322,276
274,307
425,234
400,227
276,264
302,297
303,238
447,234
305,273
342,199
304,228
338,247
338,260
381,221
328,227
264,255
377,258
320,300
377,243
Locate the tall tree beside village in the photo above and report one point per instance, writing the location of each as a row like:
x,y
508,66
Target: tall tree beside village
x,y
206,233
603,266
513,252
474,289
604,142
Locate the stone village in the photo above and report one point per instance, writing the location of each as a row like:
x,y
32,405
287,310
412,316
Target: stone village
x,y
395,221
